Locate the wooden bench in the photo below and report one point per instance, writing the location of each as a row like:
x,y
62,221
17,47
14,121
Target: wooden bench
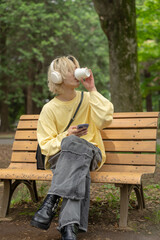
x,y
130,143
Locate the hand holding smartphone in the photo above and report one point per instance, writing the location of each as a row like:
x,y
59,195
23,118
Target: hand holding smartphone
x,y
85,125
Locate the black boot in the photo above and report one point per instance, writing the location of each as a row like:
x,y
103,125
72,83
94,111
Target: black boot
x,y
43,217
69,232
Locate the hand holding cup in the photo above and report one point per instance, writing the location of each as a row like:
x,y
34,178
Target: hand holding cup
x,y
88,82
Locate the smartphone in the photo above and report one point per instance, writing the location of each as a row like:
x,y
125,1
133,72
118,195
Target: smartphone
x,y
85,125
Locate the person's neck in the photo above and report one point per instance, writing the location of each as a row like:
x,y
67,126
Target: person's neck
x,y
67,95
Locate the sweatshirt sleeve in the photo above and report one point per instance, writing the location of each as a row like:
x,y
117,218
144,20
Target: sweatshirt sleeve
x,y
101,110
48,137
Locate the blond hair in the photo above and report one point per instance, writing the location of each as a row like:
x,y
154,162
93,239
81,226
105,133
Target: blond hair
x,y
63,65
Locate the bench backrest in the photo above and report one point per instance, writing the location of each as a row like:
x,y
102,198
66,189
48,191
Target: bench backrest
x,y
130,142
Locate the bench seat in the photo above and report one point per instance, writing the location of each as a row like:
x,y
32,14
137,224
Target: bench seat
x,y
97,177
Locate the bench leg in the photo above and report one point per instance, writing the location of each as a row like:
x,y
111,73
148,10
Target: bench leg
x,y
139,195
124,200
32,188
5,202
9,189
125,191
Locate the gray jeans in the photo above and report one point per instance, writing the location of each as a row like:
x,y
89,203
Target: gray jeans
x,y
71,179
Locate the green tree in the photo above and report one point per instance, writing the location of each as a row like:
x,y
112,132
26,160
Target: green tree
x,y
35,32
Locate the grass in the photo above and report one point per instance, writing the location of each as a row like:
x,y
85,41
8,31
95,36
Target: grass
x,y
158,149
156,216
22,193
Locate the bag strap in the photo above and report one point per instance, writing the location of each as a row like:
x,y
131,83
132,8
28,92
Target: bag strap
x,y
72,119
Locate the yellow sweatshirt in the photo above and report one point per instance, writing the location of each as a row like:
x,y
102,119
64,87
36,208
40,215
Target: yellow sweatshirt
x,y
95,110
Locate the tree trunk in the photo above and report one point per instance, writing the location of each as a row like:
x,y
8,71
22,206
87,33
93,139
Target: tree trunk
x,y
29,90
29,100
149,103
147,74
4,117
159,101
118,21
3,80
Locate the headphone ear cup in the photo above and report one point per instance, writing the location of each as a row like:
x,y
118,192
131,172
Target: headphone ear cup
x,y
56,77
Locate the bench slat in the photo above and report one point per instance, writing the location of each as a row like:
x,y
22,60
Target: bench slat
x,y
129,134
136,114
116,123
32,166
30,117
114,146
130,146
134,123
111,158
32,135
23,157
25,146
133,159
126,168
115,115
106,134
105,168
27,125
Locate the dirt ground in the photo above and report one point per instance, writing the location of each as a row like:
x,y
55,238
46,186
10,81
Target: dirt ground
x,y
103,220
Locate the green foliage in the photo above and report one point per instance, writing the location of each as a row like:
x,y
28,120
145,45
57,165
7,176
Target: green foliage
x,y
148,28
38,31
158,149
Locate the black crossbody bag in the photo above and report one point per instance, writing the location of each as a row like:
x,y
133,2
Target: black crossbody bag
x,y
41,157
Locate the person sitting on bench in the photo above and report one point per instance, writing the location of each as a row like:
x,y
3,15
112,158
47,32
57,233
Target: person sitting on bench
x,y
71,149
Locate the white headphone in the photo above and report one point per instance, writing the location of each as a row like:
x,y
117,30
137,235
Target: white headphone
x,y
55,76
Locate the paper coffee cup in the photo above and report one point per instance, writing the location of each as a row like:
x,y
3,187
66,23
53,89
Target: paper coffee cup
x,y
81,73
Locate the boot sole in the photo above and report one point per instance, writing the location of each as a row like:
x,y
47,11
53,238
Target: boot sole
x,y
40,225
63,238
